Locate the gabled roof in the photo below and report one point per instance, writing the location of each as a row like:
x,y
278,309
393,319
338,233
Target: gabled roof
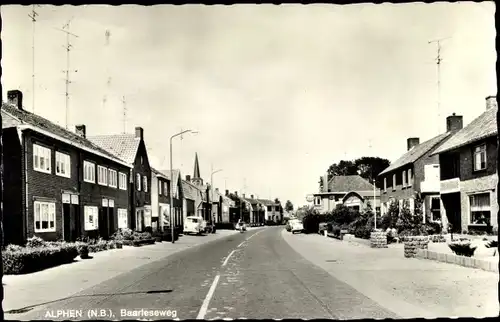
x,y
28,120
124,146
190,191
416,153
349,183
225,199
176,173
267,202
158,173
485,125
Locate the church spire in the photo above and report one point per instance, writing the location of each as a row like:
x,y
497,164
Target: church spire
x,y
196,174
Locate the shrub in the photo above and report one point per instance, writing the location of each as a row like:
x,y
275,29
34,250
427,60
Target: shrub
x,y
491,244
13,248
111,244
462,248
35,242
83,249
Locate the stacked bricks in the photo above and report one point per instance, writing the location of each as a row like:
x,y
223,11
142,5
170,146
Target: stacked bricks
x,y
438,239
413,244
378,239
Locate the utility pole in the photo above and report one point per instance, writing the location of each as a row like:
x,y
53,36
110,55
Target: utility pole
x,y
439,59
124,115
374,206
68,47
33,15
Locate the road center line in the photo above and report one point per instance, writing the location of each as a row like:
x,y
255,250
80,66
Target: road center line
x,y
240,244
206,302
227,258
255,234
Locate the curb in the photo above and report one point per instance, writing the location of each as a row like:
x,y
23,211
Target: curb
x,y
458,260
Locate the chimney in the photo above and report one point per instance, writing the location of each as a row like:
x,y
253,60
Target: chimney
x,y
251,196
243,196
217,189
15,97
325,182
491,102
188,178
139,132
81,130
454,123
412,142
227,192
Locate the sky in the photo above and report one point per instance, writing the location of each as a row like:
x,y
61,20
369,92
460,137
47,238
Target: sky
x,y
277,93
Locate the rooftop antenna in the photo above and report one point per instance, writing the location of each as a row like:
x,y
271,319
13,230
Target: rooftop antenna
x,y
124,115
33,15
68,47
439,59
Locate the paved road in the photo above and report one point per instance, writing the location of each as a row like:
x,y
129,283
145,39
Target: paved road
x,y
251,275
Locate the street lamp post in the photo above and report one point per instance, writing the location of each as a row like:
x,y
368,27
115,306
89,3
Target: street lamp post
x,y
172,183
212,187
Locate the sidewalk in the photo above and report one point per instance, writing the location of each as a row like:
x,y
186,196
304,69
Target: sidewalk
x,y
62,281
409,287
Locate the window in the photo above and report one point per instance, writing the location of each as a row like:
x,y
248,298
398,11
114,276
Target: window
x,y
385,184
160,186
63,165
394,182
409,183
270,208
91,218
435,209
122,218
404,178
480,209
42,159
88,172
277,208
165,188
45,216
123,181
145,183
102,175
138,182
112,178
480,157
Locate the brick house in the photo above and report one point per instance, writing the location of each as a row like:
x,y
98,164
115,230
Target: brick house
x,y
416,173
272,210
160,199
468,176
351,190
178,196
192,198
131,149
223,206
258,210
59,185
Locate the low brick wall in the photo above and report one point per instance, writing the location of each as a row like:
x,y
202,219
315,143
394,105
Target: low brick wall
x,y
486,265
414,243
378,239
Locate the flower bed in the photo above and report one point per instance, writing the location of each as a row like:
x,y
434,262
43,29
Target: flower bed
x,y
132,238
36,256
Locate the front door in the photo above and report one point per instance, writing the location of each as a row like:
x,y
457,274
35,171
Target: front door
x,y
103,223
451,203
68,223
111,221
76,231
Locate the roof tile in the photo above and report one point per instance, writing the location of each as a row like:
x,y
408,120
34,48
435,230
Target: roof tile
x,y
124,146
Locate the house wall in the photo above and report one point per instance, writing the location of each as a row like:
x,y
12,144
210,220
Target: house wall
x,y
140,199
155,203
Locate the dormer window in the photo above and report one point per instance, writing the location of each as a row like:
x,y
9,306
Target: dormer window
x,y
480,157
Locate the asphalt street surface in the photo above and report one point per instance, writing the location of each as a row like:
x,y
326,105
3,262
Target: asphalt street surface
x,y
255,274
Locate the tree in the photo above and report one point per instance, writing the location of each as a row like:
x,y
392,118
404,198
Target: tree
x,y
288,206
367,167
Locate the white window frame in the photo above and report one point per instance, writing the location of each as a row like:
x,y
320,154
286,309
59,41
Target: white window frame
x,y
122,218
480,150
385,184
51,216
394,182
145,183
102,175
470,207
122,181
64,160
94,212
41,152
138,181
112,178
160,187
409,181
90,168
165,188
403,176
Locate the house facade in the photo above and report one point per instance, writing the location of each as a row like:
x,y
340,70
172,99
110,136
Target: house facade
x,y
178,197
352,191
58,184
131,149
416,173
272,210
160,199
468,174
258,210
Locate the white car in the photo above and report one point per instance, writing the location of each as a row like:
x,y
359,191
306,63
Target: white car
x,y
194,225
296,226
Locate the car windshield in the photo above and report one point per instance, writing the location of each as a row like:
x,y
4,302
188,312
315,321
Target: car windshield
x,y
194,220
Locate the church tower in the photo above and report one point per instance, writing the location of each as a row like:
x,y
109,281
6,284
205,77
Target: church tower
x,y
197,180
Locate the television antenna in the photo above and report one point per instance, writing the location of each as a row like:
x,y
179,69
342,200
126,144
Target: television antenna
x,y
124,102
439,59
33,16
68,47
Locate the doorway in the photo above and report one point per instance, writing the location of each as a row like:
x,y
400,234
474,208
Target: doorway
x,y
103,223
111,220
67,222
452,206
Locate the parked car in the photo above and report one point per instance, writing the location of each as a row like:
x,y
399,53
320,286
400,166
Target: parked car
x,y
194,225
297,226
